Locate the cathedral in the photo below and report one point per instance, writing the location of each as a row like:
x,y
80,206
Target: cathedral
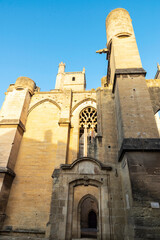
x,y
84,164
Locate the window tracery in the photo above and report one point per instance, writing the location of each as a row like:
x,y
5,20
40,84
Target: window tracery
x,y
87,132
88,118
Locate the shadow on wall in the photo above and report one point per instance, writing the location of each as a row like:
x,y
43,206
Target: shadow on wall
x,y
144,170
30,194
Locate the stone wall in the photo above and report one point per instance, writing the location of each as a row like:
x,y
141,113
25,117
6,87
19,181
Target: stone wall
x,y
154,91
29,202
141,190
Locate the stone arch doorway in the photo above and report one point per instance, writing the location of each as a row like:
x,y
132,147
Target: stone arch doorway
x,y
73,184
89,216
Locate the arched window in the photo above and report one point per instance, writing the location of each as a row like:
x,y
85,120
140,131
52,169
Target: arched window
x,y
88,130
157,117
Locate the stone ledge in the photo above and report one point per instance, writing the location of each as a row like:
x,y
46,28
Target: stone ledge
x,y
64,121
139,145
6,237
22,234
127,71
13,122
130,71
8,171
23,231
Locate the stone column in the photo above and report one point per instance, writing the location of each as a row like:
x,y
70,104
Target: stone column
x,y
64,127
63,141
13,117
85,141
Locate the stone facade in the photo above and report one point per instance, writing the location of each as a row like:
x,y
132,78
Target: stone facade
x,y
83,164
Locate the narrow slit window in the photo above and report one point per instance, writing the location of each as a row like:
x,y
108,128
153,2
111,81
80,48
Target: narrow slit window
x,y
73,78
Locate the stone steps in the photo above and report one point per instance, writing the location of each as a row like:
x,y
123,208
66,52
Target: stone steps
x,y
2,237
84,238
34,238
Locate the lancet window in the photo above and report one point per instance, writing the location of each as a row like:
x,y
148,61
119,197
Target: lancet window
x,y
157,118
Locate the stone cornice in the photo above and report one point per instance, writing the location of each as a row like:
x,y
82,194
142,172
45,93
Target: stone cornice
x,y
15,122
127,71
139,145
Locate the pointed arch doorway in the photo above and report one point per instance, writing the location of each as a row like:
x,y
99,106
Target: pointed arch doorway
x,y
89,216
80,188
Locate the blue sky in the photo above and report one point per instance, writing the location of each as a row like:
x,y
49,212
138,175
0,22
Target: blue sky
x,y
36,35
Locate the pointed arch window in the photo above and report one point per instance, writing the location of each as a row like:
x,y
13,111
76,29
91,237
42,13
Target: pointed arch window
x,y
157,118
87,130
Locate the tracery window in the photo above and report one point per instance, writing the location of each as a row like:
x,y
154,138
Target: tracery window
x,y
88,130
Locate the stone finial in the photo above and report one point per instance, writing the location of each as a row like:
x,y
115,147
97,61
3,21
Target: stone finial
x,y
83,70
103,81
61,68
158,67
